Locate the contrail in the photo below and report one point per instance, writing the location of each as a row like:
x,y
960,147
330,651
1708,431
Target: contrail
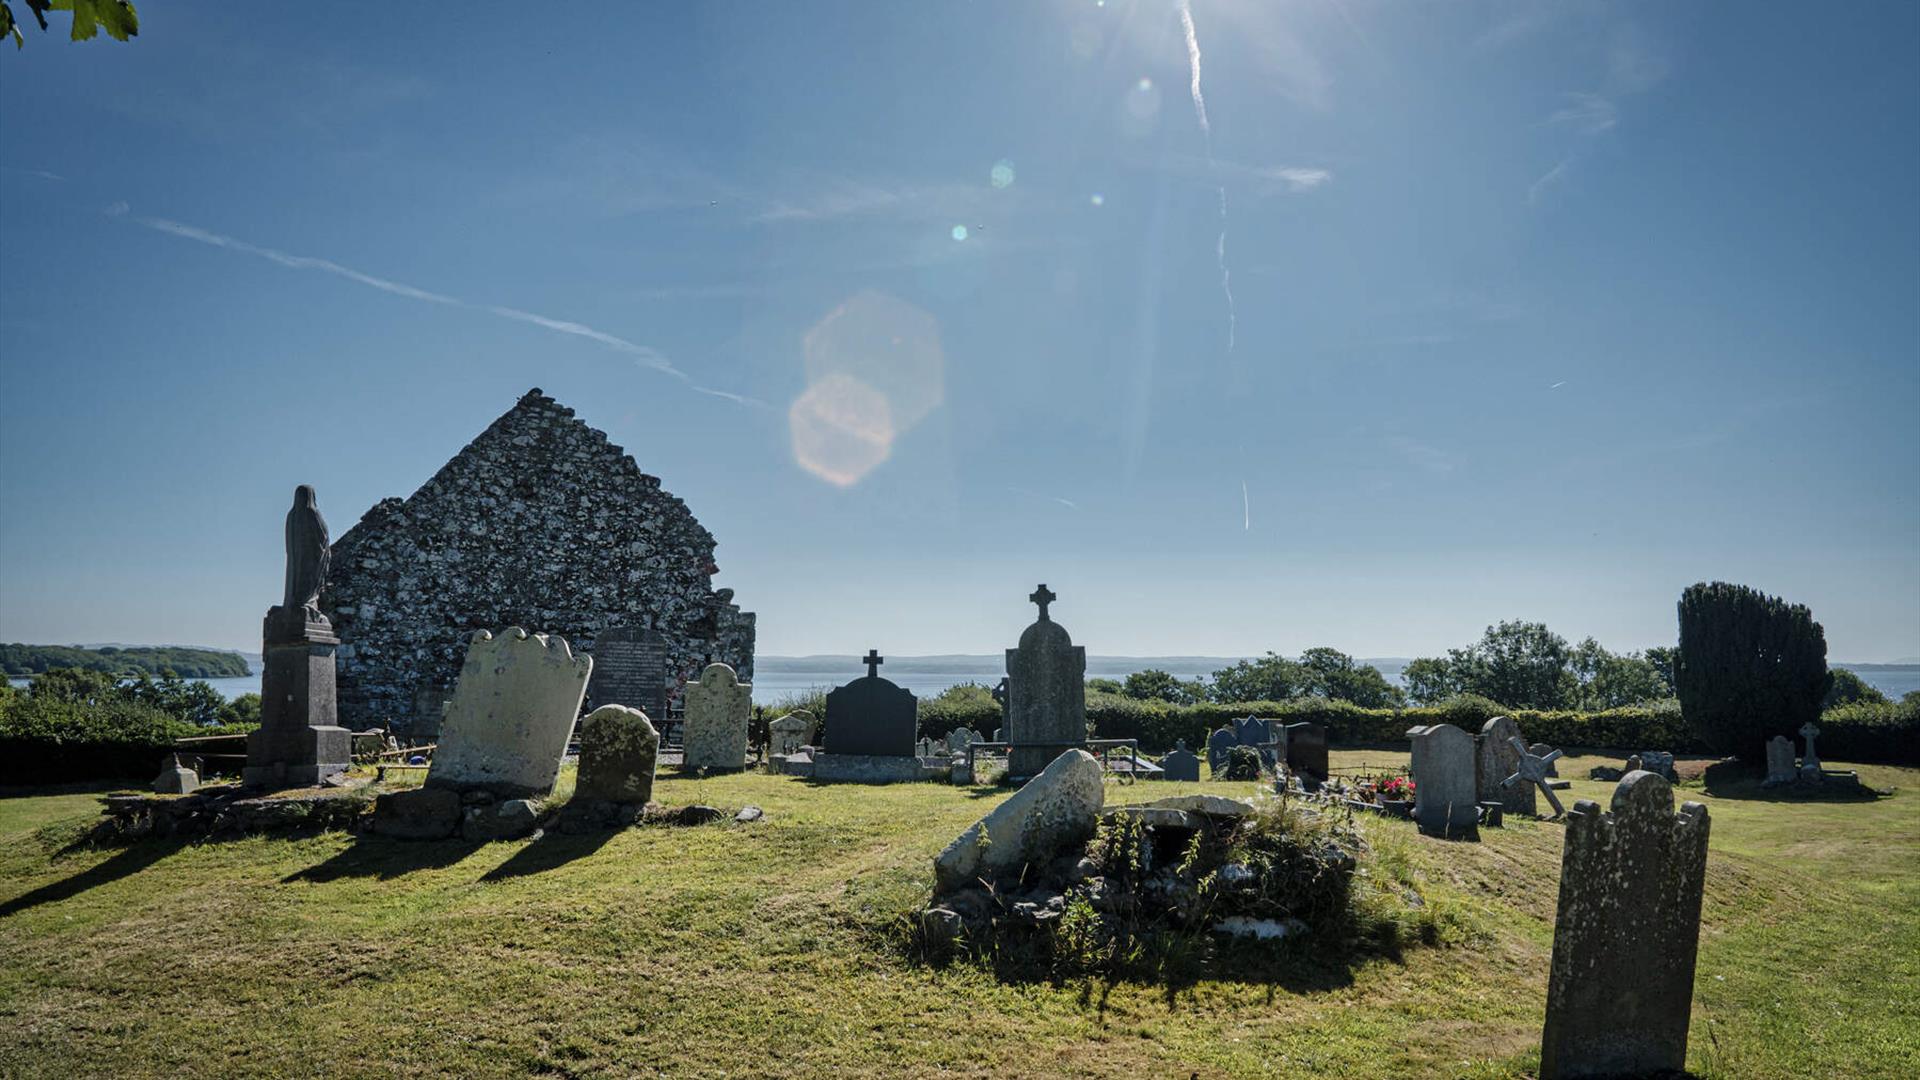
x,y
643,355
1199,96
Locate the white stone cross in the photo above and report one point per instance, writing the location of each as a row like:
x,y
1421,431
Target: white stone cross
x,y
1809,761
1533,770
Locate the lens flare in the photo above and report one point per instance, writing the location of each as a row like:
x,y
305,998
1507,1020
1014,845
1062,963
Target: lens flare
x,y
1001,174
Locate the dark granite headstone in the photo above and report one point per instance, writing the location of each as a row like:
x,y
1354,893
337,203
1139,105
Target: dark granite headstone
x,y
1181,763
1307,750
1626,935
1046,709
871,716
1218,743
630,668
1262,735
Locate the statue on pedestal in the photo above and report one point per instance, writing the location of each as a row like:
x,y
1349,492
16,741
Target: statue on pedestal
x,y
300,740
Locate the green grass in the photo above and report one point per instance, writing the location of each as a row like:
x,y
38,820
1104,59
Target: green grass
x,y
770,950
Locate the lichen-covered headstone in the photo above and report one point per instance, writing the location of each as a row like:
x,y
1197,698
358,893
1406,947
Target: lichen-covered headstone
x,y
618,748
1658,762
1181,764
717,707
1620,991
506,728
789,733
1059,806
1497,758
1780,768
1046,693
1444,792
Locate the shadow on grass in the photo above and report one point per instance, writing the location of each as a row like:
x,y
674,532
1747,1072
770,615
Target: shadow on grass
x,y
549,850
128,861
1738,780
385,858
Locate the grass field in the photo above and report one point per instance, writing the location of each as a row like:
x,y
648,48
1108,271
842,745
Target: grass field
x,y
765,950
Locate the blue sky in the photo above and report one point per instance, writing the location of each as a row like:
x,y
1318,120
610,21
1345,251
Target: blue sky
x,y
1537,310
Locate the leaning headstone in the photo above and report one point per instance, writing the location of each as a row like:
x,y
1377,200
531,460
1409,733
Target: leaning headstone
x,y
1541,749
176,779
1046,693
1620,991
630,668
1780,769
1532,770
300,741
1307,750
618,748
1058,807
789,733
714,732
1181,764
1444,792
506,728
1495,759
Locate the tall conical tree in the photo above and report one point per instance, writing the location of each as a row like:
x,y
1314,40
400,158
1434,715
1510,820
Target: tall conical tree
x,y
1749,667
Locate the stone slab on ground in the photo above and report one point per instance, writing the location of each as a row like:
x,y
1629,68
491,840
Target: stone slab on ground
x,y
875,768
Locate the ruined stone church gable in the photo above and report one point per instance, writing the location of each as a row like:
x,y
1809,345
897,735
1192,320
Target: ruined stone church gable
x,y
541,522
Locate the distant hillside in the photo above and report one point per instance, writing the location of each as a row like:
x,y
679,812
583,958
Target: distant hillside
x,y
187,662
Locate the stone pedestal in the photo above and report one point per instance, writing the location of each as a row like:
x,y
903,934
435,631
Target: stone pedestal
x,y
300,741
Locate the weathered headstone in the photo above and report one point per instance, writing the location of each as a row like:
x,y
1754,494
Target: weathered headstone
x,y
871,716
1495,759
1218,745
924,748
789,733
1181,763
618,748
630,668
1780,767
1541,749
1046,693
513,708
300,740
1620,991
1307,750
1810,761
1444,792
1660,763
1057,807
714,732
176,779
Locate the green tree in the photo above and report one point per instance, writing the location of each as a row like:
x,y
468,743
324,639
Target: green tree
x,y
116,17
1750,666
1848,688
243,710
1607,680
1521,665
1663,657
1430,680
77,685
1332,674
1156,685
1104,686
1269,678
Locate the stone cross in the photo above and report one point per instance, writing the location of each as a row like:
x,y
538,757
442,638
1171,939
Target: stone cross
x,y
1042,596
873,662
1534,769
1809,761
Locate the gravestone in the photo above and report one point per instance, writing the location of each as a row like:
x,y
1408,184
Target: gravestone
x,y
960,738
1660,763
1444,791
1263,736
1531,770
1181,763
1626,934
1495,759
924,748
1810,761
789,733
871,716
1780,768
1307,750
714,728
175,778
300,741
630,668
1218,744
1046,693
1541,749
513,708
618,748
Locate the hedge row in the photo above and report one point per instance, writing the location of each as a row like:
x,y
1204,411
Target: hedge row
x,y
1858,732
